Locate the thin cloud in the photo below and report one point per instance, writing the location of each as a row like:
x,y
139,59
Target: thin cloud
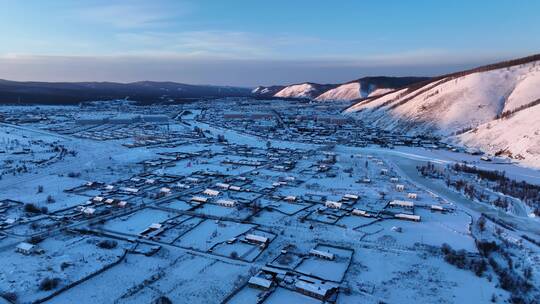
x,y
132,15
213,43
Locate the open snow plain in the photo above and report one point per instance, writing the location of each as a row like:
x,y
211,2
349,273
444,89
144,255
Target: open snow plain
x,y
202,203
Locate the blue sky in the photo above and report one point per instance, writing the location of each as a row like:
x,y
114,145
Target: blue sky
x,y
241,42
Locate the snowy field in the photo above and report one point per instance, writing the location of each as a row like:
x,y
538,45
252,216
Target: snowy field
x,y
209,210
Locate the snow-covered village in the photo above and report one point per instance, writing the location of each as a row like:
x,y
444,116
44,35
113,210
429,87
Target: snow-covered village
x,y
259,205
242,152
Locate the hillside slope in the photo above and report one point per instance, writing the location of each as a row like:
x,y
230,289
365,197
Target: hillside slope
x,y
453,104
516,136
304,90
367,87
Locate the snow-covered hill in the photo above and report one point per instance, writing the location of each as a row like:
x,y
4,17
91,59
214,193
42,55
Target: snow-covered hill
x,y
516,136
366,87
304,90
356,89
467,105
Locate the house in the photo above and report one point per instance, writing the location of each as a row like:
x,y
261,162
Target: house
x,y
332,204
258,239
412,196
394,179
182,186
350,197
122,204
165,190
129,189
211,192
437,208
155,226
360,213
261,283
25,248
98,199
290,198
226,203
400,187
318,290
384,171
193,180
322,254
409,217
234,188
88,211
199,199
223,186
403,204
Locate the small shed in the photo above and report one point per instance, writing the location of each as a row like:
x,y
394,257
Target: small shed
x,y
25,248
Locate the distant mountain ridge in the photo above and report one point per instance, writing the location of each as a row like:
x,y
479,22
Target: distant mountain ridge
x,y
75,92
352,90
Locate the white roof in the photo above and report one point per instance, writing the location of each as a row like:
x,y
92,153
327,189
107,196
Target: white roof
x,y
199,199
332,204
25,246
226,202
325,254
407,216
155,226
260,282
360,212
211,192
402,203
319,289
223,185
88,210
351,196
256,238
129,189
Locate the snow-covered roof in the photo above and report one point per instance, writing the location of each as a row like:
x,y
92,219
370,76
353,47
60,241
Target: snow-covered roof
x,y
407,216
323,254
25,246
256,238
262,282
318,289
211,192
401,203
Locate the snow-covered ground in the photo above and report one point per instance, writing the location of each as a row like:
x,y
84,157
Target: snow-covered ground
x,y
298,197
